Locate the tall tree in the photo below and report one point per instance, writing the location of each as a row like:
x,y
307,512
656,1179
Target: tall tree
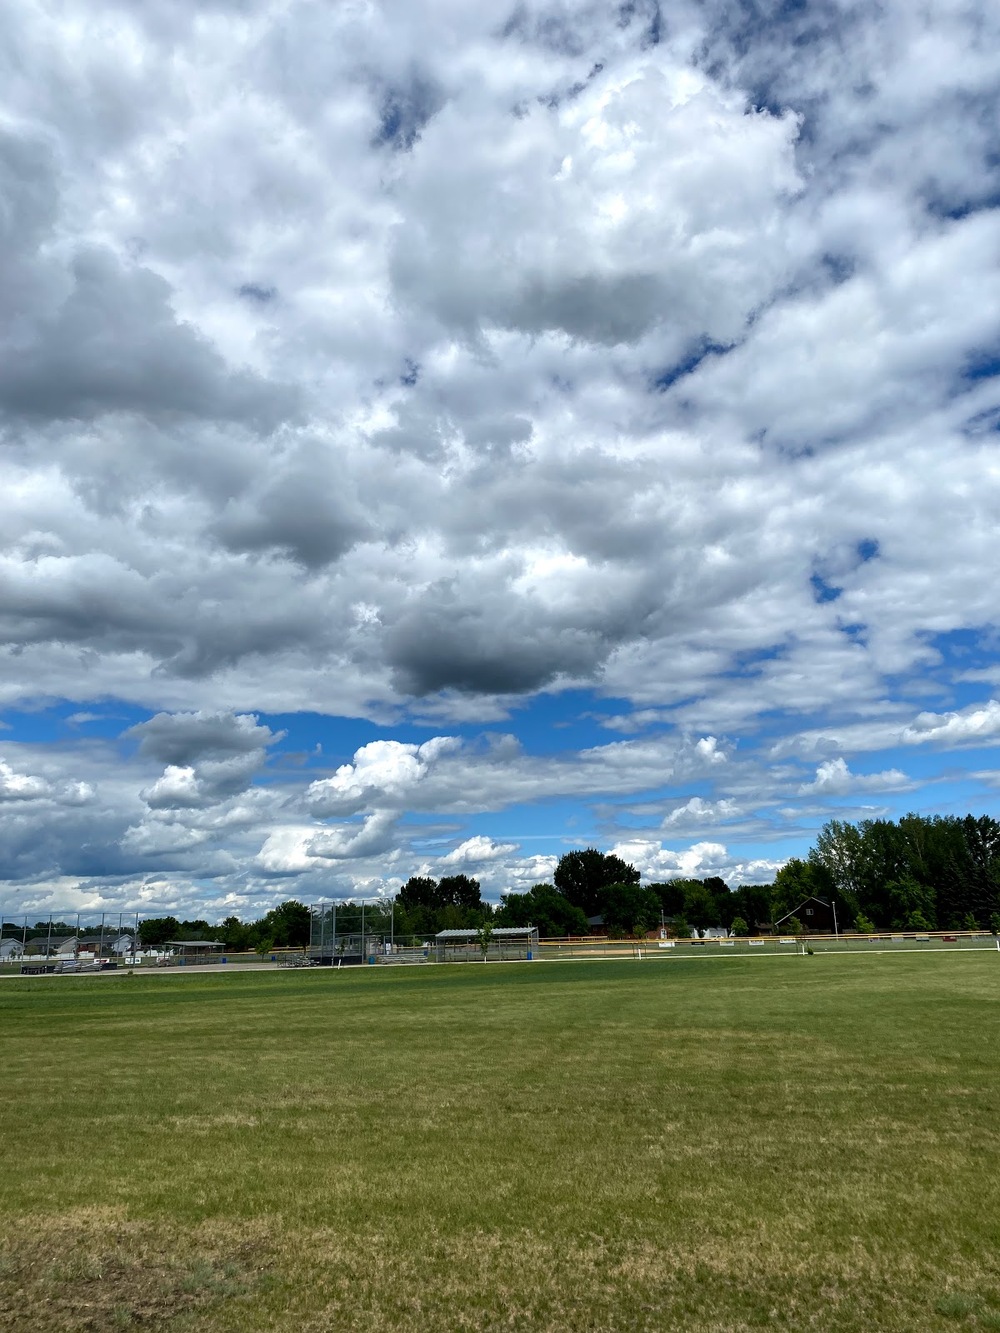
x,y
982,838
700,907
629,908
156,930
840,849
671,896
286,926
580,877
419,891
459,891
545,908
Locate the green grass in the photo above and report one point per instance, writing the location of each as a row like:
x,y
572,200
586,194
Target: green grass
x,y
740,1144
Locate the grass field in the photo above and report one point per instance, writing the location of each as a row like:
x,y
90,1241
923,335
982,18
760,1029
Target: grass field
x,y
775,1142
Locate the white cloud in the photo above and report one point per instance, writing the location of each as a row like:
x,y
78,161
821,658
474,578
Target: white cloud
x,y
178,786
834,778
973,725
698,861
382,770
477,851
20,786
699,811
969,726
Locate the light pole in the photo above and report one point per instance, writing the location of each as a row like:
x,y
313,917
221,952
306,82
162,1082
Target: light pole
x,y
836,932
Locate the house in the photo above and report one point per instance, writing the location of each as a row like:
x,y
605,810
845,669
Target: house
x,y
816,916
56,946
10,949
111,943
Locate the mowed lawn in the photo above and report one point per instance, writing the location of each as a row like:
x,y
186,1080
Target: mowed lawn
x,y
721,1144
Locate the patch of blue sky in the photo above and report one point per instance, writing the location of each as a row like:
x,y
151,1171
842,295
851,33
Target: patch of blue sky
x,y
665,379
68,719
328,740
824,591
543,826
961,646
983,363
319,740
749,662
564,720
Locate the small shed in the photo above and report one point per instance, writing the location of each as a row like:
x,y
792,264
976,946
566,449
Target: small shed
x,y
506,944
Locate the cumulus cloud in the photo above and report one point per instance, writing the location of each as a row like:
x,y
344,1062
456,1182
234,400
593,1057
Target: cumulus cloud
x,y
616,227
699,811
382,771
20,786
290,850
973,725
477,851
178,786
834,778
174,738
699,861
969,726
15,786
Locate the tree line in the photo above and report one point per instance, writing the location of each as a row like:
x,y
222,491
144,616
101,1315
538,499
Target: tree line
x,y
595,891
940,872
918,873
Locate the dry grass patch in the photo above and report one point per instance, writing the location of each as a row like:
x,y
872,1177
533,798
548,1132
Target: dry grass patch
x,y
96,1270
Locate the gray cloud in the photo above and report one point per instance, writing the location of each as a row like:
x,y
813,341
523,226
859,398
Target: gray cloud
x,y
180,738
301,511
114,345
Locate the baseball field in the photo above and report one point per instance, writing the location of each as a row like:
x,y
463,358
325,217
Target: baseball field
x,y
782,1142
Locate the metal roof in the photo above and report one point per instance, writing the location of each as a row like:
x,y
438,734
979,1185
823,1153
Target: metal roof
x,y
498,933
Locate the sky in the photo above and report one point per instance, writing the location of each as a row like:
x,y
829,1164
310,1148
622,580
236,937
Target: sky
x,y
438,436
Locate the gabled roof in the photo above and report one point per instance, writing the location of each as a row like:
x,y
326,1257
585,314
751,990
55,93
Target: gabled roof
x,y
811,899
41,943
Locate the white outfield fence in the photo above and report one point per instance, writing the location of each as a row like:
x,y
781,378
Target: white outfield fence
x,y
762,945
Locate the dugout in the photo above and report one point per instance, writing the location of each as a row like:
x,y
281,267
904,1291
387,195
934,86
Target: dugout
x,y
196,951
507,944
